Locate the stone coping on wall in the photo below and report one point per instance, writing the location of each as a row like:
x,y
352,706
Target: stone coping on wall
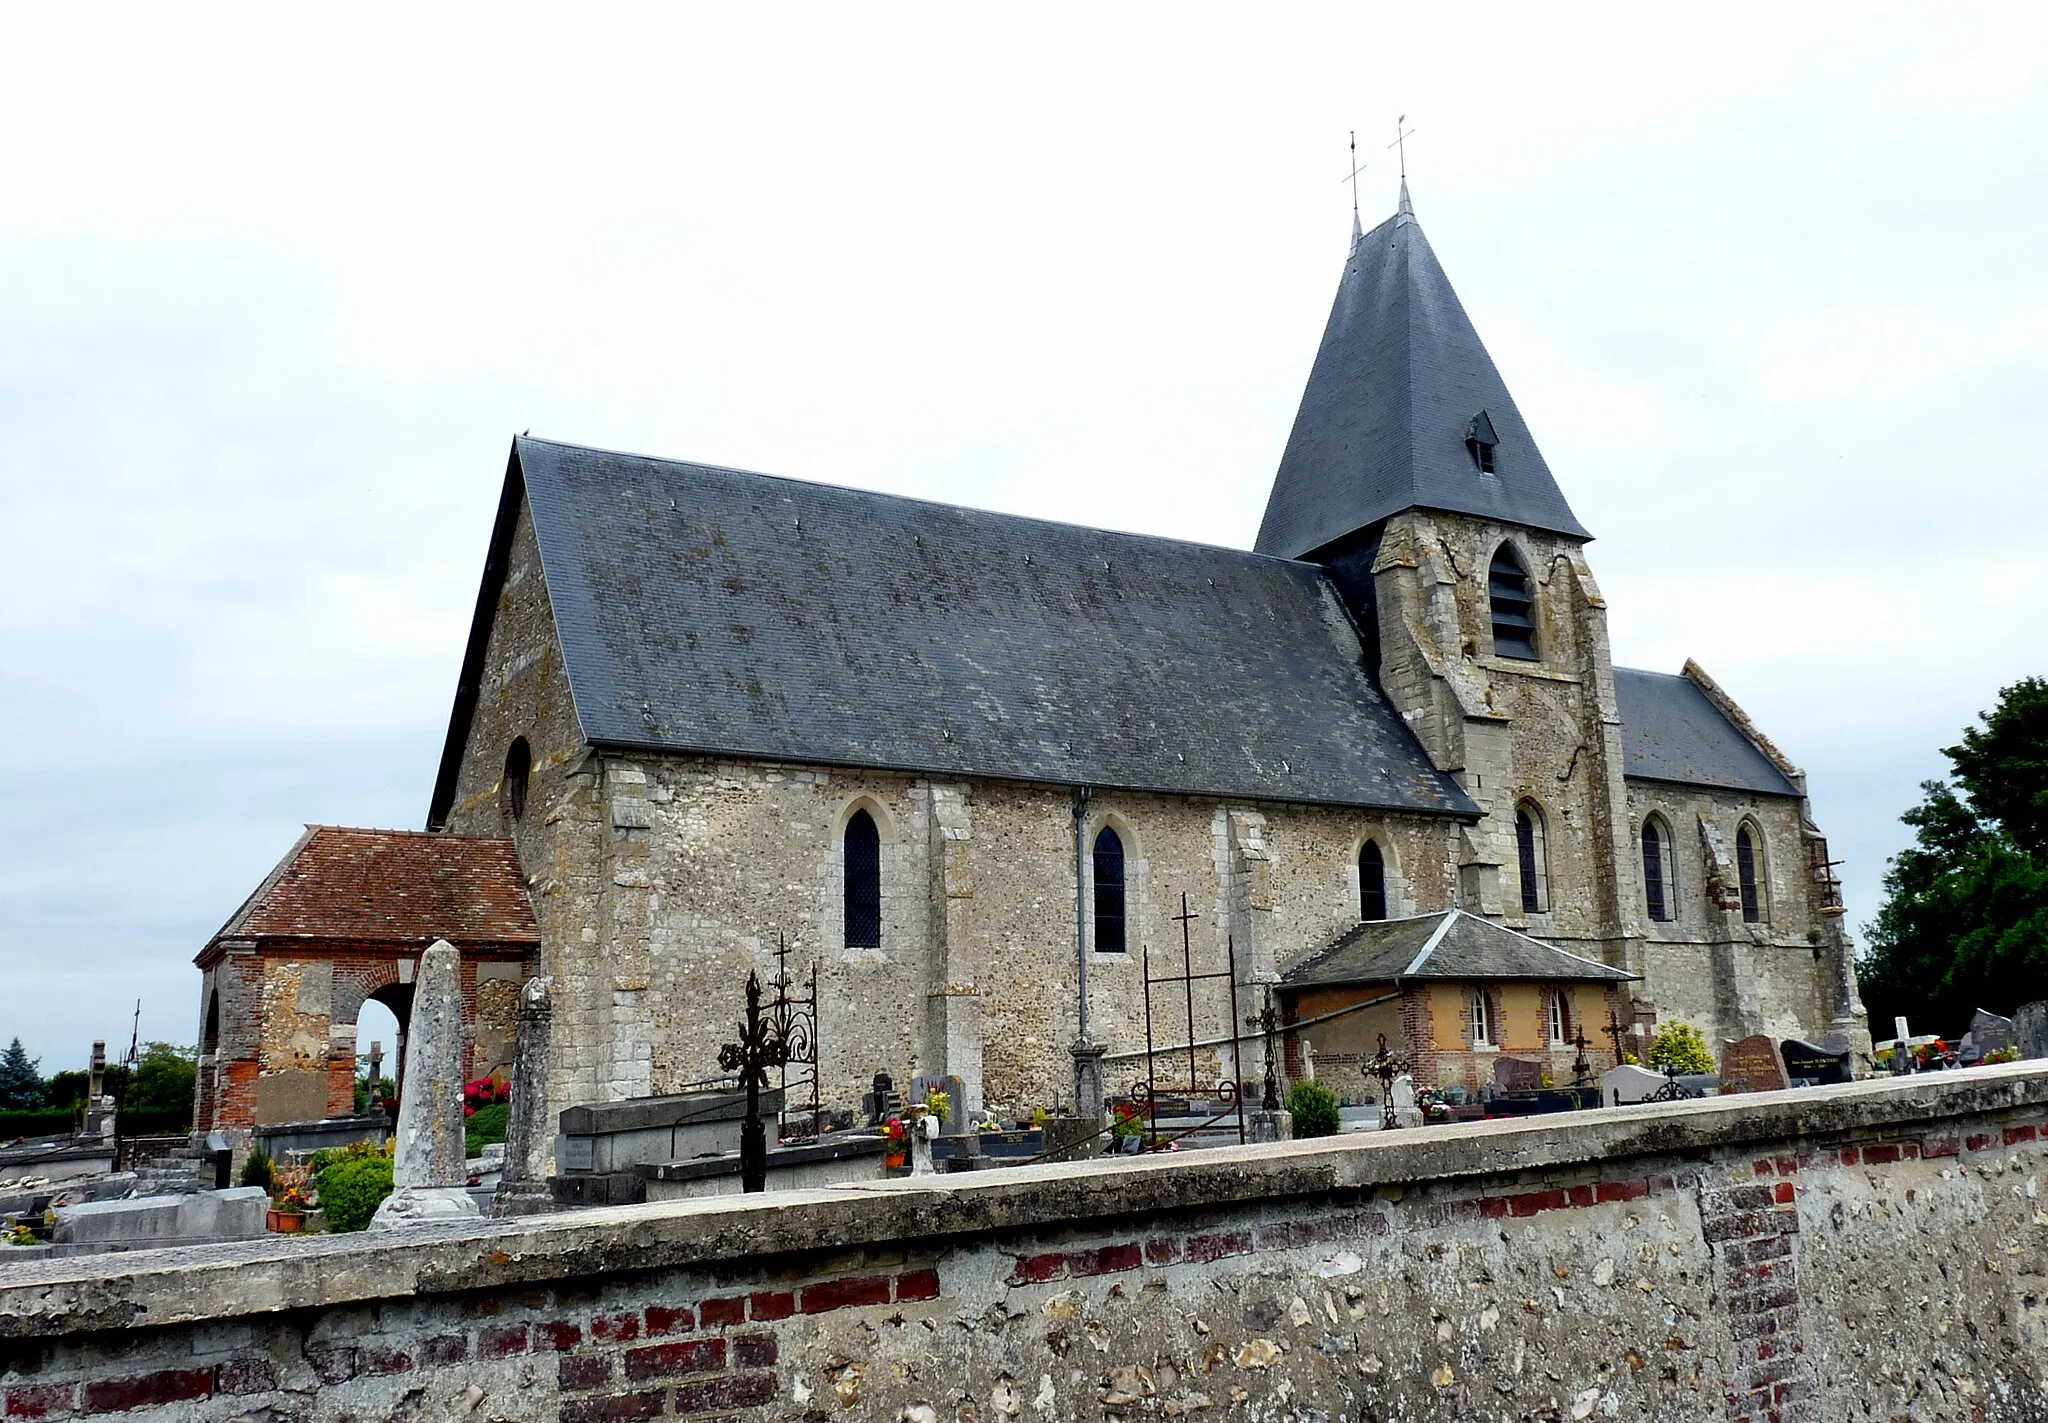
x,y
53,1297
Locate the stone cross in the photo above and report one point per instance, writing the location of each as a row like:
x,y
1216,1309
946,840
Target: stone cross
x,y
523,1188
431,1166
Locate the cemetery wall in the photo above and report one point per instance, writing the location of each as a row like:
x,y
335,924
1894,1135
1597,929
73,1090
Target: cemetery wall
x,y
1874,1250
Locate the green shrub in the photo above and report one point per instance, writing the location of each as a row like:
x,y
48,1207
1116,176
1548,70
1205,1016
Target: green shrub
x,y
485,1127
257,1171
352,1188
1315,1109
1680,1046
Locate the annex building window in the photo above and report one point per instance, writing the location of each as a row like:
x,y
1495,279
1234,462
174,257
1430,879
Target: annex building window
x,y
1660,890
1372,882
1109,892
862,854
1532,858
1513,603
1748,874
1480,1013
518,772
1560,1019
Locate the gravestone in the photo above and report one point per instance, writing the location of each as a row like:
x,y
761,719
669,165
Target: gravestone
x,y
1821,1066
1990,1033
2030,1029
1751,1065
956,1100
881,1103
432,1162
1406,1113
1628,1083
1512,1074
523,1187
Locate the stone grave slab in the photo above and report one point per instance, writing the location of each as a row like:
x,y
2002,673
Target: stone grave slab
x,y
1751,1065
1628,1083
1990,1033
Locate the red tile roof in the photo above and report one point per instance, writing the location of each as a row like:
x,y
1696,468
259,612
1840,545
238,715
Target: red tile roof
x,y
390,886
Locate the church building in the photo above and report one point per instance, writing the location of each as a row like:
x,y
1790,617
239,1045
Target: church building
x,y
973,765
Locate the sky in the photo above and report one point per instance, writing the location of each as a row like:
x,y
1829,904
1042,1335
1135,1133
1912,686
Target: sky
x,y
278,286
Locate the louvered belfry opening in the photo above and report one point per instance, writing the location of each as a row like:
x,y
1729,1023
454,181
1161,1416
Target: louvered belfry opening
x,y
1514,623
1372,882
1109,892
863,882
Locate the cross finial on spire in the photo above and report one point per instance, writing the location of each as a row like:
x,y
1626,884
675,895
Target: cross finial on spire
x,y
1357,229
1401,137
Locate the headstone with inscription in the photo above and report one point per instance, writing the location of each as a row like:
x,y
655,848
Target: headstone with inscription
x,y
1751,1065
1512,1074
1819,1066
1989,1033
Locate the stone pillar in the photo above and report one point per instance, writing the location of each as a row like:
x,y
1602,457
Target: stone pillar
x,y
1088,1095
1248,905
432,1163
953,1004
523,1188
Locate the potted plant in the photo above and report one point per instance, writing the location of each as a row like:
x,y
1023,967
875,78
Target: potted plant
x,y
897,1154
287,1213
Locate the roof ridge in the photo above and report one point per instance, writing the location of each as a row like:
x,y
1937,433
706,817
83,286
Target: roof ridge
x,y
916,499
1422,955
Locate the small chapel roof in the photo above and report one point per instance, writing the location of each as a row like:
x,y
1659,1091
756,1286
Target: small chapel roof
x,y
1449,944
1672,731
344,885
711,610
1399,385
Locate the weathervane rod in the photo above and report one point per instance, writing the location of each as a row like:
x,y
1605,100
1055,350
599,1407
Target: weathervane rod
x,y
1356,169
1401,137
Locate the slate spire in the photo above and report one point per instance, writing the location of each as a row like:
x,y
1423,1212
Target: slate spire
x,y
1398,387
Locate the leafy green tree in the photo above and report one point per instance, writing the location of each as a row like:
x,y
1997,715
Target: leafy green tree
x,y
1964,924
21,1085
1681,1046
163,1080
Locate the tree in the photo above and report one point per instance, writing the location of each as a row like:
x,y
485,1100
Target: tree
x,y
163,1080
21,1085
1964,924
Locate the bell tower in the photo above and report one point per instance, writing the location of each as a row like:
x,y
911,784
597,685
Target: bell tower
x,y
1412,477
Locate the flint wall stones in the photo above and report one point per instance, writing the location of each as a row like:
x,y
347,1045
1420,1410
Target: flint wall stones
x,y
1763,1258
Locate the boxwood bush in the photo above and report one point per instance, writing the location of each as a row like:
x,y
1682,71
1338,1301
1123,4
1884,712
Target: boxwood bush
x,y
1314,1107
351,1187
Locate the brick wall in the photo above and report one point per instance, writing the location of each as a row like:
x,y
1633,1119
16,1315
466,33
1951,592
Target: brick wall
x,y
1876,1251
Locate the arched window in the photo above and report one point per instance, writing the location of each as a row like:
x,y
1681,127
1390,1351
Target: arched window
x,y
1514,606
1372,882
1531,858
1109,892
1480,1016
1754,899
863,860
518,771
1660,887
1560,1017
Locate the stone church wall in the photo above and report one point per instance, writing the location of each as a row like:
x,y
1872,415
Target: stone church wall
x,y
1871,1251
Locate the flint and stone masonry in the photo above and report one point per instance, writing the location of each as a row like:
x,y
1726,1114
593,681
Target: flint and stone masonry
x,y
1878,1250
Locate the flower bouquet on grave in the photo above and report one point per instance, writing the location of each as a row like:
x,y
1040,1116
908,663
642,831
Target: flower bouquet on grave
x,y
287,1211
897,1153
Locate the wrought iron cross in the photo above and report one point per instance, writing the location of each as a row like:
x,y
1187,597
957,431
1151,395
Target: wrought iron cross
x,y
1386,1066
1266,1020
760,1047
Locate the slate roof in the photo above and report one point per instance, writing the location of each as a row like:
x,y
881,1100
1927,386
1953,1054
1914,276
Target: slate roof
x,y
1450,944
703,609
1670,731
1396,387
391,887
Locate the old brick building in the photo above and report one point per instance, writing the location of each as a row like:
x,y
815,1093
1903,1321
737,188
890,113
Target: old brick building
x,y
963,759
342,919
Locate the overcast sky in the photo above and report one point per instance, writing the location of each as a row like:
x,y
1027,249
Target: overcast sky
x,y
277,287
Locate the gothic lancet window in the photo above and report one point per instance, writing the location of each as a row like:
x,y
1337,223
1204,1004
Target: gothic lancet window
x,y
1660,889
1109,892
863,863
1514,606
1372,882
1746,874
518,771
1531,858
